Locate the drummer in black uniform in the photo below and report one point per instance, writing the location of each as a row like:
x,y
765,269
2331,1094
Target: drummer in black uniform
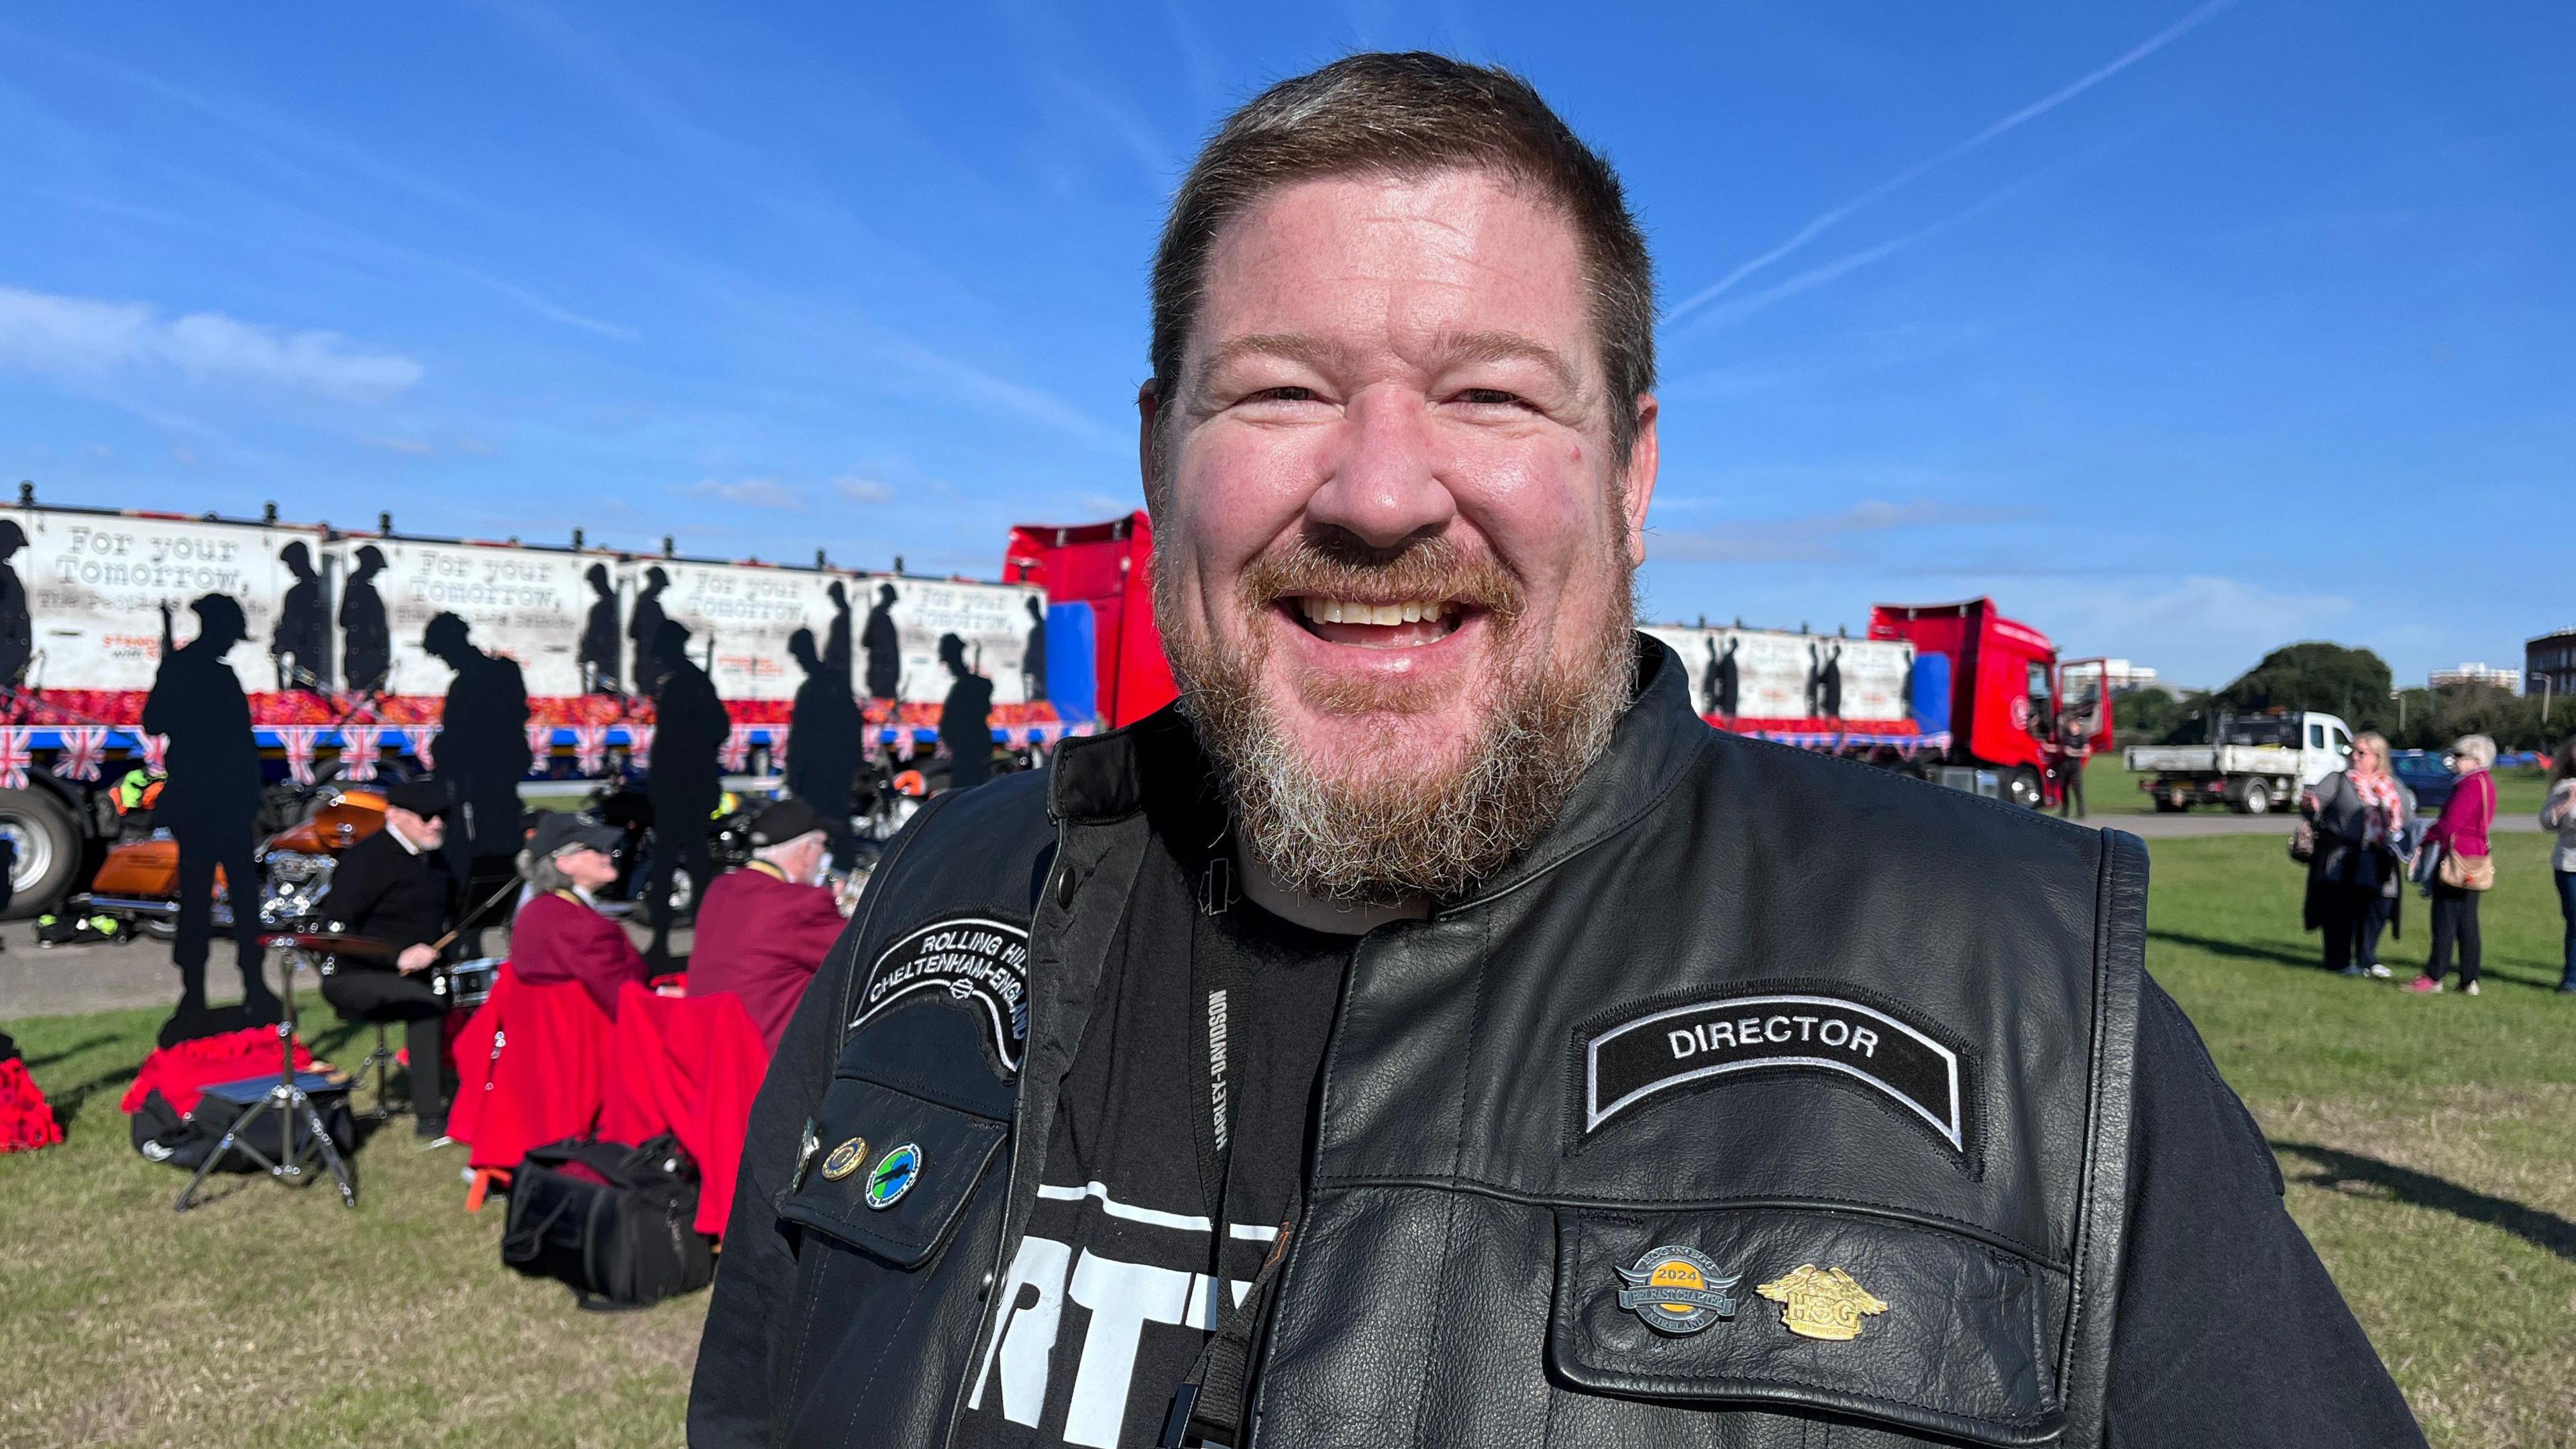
x,y
395,887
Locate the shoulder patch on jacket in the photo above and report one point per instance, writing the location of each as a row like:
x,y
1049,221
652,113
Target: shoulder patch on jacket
x,y
977,958
1626,1061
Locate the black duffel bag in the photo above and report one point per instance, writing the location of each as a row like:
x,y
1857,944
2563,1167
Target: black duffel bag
x,y
615,1223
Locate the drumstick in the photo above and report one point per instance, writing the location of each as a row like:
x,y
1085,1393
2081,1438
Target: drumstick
x,y
442,942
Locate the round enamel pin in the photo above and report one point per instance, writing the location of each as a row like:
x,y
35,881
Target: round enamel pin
x,y
893,1176
1677,1290
845,1159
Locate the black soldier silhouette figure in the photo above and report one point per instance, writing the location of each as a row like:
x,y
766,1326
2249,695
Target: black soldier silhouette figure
x,y
1722,692
644,626
599,634
210,807
301,643
1829,683
885,650
1033,654
366,641
686,781
826,735
17,626
965,721
482,755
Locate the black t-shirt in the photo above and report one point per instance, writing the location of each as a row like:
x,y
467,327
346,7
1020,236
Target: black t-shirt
x,y
1114,1288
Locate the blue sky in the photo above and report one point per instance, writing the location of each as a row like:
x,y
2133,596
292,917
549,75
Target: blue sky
x,y
2184,331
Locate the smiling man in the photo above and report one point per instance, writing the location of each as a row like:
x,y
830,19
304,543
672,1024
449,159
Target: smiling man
x,y
1430,1032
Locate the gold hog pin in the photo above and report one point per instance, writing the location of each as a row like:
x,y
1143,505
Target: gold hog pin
x,y
1821,1302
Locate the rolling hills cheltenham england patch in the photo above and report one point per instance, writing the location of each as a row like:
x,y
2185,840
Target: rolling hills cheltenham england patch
x,y
975,959
1629,1061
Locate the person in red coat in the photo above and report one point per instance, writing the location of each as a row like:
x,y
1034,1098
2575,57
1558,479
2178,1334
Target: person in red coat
x,y
764,928
559,934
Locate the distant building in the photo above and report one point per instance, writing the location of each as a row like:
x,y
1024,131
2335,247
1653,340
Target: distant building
x,y
2509,680
2551,657
2119,676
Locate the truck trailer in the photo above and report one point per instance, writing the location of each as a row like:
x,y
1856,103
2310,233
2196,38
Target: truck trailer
x,y
1956,693
339,683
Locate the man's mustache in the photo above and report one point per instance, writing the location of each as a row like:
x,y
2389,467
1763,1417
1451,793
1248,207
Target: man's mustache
x,y
1337,566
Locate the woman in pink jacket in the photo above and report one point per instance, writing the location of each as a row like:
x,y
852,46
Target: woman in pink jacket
x,y
2461,832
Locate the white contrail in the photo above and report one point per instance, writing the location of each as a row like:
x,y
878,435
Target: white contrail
x,y
1826,221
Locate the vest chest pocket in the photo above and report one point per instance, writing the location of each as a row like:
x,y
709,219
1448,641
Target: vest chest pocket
x,y
889,1171
1911,1328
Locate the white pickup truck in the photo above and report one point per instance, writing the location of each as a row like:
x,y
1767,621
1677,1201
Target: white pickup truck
x,y
2257,762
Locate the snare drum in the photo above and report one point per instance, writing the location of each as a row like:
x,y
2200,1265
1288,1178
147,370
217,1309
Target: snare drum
x,y
467,984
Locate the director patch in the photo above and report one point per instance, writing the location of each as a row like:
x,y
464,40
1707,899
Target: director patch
x,y
973,959
1632,1060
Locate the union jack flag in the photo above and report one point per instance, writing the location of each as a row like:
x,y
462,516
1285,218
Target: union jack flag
x,y
358,746
778,747
156,752
13,756
84,750
299,741
737,749
421,736
589,747
639,744
541,740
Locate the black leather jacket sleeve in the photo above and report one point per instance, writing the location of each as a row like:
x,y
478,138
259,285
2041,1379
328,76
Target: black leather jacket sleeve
x,y
2229,1330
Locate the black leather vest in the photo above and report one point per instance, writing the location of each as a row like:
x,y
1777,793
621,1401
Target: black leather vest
x,y
1853,1050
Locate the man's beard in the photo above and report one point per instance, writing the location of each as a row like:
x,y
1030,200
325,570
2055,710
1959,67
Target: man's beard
x,y
1386,837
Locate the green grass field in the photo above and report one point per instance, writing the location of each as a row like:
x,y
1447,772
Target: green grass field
x,y
2425,1140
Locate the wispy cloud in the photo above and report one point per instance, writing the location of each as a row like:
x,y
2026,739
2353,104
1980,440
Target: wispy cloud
x,y
1834,216
746,493
411,447
974,385
1841,266
1816,537
85,338
859,488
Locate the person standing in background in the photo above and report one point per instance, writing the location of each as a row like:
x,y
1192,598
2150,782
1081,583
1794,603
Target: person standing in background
x,y
2074,747
2386,911
2467,870
210,807
2558,813
966,720
2358,816
686,780
483,754
826,735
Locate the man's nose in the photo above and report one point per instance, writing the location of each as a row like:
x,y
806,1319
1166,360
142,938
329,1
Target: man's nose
x,y
1383,487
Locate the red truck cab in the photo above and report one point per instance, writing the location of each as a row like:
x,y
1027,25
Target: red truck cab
x,y
1105,665
1995,684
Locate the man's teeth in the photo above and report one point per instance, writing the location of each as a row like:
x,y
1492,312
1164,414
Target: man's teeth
x,y
1345,611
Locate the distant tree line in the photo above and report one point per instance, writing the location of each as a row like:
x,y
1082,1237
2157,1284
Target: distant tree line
x,y
2355,684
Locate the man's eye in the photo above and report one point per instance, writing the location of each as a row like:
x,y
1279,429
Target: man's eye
x,y
1488,397
1281,394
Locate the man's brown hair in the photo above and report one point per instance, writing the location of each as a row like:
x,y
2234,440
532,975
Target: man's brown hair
x,y
1405,115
